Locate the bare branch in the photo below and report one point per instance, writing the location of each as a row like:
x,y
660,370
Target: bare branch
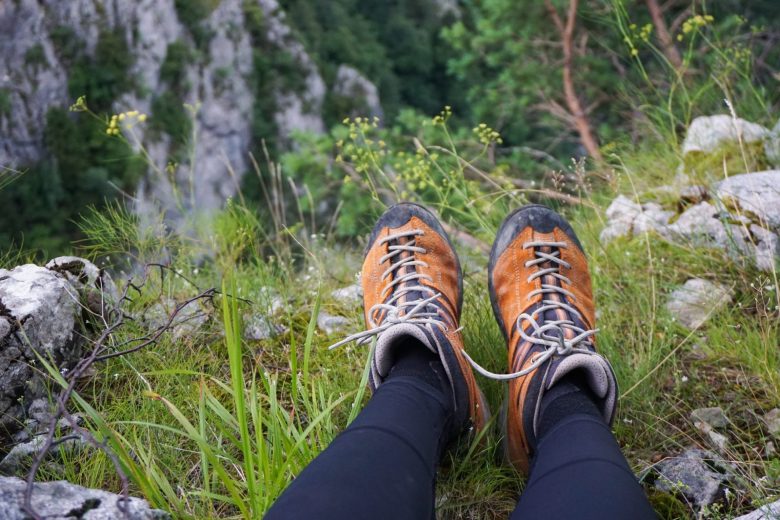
x,y
114,319
579,118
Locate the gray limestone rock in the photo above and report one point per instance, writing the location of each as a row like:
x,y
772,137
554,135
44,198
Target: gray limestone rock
x,y
94,286
39,310
772,421
756,194
713,416
772,146
698,475
351,84
65,501
297,111
694,194
707,133
692,303
348,295
766,247
18,460
766,512
222,108
626,217
331,324
189,320
258,327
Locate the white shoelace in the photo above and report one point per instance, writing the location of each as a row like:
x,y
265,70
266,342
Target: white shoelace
x,y
554,344
396,312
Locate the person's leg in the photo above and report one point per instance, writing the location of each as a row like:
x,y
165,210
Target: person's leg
x,y
578,470
562,391
382,466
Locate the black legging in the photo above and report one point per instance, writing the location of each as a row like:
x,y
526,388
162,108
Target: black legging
x,y
384,466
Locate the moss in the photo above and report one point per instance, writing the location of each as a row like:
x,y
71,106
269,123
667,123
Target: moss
x,y
35,56
728,159
191,14
170,117
103,77
5,102
174,68
67,45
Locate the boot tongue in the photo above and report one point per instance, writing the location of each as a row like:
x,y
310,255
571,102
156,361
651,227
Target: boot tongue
x,y
388,341
406,270
560,313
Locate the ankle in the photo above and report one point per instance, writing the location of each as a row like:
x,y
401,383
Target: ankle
x,y
413,359
569,396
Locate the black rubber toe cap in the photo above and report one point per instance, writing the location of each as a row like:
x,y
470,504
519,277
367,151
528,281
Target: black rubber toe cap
x,y
541,218
399,214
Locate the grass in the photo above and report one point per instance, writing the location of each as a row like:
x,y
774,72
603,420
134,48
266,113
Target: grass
x,y
208,424
215,426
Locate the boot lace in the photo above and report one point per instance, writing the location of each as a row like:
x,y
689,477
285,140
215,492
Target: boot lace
x,y
382,316
551,333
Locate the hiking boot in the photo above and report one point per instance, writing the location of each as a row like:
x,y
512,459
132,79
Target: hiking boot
x,y
541,294
412,289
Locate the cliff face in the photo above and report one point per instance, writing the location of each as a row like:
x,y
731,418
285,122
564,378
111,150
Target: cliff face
x,y
34,77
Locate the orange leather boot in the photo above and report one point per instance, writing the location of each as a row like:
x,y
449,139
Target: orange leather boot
x,y
541,294
412,288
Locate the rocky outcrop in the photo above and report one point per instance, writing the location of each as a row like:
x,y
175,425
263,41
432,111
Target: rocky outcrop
x,y
742,218
42,311
34,78
756,195
297,111
363,94
707,133
65,501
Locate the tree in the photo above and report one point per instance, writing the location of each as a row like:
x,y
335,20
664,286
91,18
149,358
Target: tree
x,y
579,118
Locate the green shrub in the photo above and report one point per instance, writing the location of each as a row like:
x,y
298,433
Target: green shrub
x,y
169,116
35,56
5,102
102,78
173,69
191,14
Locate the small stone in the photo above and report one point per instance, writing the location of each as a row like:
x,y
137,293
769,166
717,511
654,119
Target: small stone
x,y
626,217
717,439
766,248
772,146
188,321
692,303
699,475
772,421
756,194
767,512
258,327
65,500
770,450
707,133
713,416
330,324
620,219
350,294
18,460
